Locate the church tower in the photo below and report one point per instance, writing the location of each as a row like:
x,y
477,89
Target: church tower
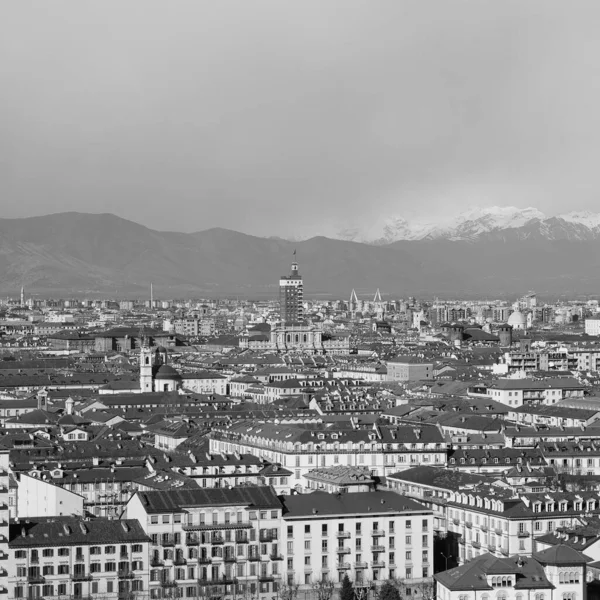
x,y
291,295
146,364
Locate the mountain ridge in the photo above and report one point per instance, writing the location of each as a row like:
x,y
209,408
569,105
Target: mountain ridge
x,y
78,254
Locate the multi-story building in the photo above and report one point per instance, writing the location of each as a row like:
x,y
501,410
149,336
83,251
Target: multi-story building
x,y
291,296
409,368
77,558
212,542
303,447
498,521
370,536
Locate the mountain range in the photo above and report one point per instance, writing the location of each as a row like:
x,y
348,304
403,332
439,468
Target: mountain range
x,y
480,222
75,254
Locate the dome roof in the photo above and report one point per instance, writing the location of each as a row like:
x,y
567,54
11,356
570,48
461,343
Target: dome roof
x,y
167,372
517,318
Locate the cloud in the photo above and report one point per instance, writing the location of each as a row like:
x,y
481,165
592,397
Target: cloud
x,y
276,117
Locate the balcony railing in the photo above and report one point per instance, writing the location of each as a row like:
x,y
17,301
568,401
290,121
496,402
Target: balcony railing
x,y
204,560
229,558
268,537
342,565
126,574
498,531
254,557
484,528
468,524
361,565
36,578
167,542
492,548
81,577
276,556
476,544
377,548
378,564
242,540
343,550
179,560
344,535
156,562
168,583
217,540
523,534
377,532
456,521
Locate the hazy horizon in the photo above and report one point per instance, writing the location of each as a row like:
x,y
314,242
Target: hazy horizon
x,y
284,119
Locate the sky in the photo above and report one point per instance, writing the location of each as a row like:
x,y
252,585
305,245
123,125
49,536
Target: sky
x,y
275,117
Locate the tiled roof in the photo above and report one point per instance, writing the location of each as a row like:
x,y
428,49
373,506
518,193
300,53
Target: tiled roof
x,y
68,531
174,500
319,504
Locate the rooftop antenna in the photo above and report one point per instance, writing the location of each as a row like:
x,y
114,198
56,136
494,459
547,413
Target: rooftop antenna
x,y
151,296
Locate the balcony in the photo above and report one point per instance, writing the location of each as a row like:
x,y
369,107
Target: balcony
x,y
276,556
204,560
498,531
377,548
267,537
484,528
79,558
378,532
156,562
254,557
192,540
476,544
361,565
35,578
456,521
126,575
230,558
179,560
342,565
169,542
491,548
461,541
81,577
468,524
124,556
242,540
504,551
343,550
168,584
266,577
378,564
523,534
216,540
213,526
343,535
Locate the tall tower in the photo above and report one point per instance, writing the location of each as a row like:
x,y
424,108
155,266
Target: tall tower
x,y
22,297
291,295
146,365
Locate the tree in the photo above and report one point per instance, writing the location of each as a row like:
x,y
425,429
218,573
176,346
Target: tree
x,y
347,589
288,591
389,591
323,588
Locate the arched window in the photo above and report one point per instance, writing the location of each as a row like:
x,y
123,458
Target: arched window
x,y
539,597
561,578
501,595
147,360
569,596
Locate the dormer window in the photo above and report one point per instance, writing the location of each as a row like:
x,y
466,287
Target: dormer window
x,y
496,461
563,507
537,507
577,505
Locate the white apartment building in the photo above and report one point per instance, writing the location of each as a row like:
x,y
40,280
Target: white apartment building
x,y
498,521
303,447
371,536
212,542
592,326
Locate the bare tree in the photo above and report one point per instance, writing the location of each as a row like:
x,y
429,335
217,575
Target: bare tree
x,y
361,589
288,591
323,588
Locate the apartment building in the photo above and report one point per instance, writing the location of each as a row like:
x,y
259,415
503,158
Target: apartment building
x,y
519,392
211,542
303,447
78,558
498,521
370,536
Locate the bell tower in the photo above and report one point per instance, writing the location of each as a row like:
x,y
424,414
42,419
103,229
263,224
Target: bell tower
x,y
146,364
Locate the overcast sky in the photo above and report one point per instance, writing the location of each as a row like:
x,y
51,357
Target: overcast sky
x,y
279,117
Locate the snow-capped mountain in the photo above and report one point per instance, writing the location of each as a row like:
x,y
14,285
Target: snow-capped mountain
x,y
495,222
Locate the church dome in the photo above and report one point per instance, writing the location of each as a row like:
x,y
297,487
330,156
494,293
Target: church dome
x,y
167,372
518,320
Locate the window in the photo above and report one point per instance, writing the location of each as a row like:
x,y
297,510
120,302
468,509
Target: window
x,y
47,552
63,552
154,519
110,549
20,554
408,524
290,531
408,540
408,555
307,530
324,529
